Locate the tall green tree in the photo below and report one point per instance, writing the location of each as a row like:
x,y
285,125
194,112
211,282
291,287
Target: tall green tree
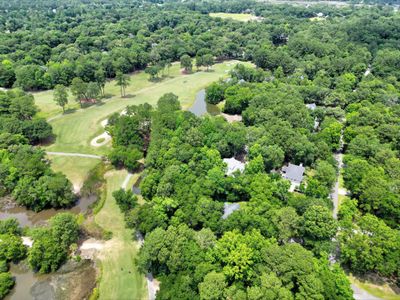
x,y
186,63
123,81
61,96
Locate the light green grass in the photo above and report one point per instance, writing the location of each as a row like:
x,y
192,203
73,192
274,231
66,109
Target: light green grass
x,y
381,291
74,131
120,278
48,108
75,168
237,17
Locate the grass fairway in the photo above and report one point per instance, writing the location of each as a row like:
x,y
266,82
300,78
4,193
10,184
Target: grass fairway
x,y
75,168
120,278
74,131
237,17
48,108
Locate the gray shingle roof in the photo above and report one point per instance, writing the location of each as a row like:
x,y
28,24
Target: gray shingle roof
x,y
293,172
229,208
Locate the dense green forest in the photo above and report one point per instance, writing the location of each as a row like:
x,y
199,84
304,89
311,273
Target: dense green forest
x,y
319,89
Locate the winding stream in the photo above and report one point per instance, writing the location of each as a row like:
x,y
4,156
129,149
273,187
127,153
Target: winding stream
x,y
26,217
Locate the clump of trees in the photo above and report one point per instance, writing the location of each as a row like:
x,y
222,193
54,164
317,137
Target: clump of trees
x,y
51,244
26,175
18,120
11,250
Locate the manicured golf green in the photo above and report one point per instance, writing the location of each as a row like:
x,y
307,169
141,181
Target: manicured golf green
x,y
74,131
237,17
120,278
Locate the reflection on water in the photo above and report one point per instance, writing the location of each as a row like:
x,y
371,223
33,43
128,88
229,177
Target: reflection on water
x,y
136,186
74,280
27,217
201,107
25,279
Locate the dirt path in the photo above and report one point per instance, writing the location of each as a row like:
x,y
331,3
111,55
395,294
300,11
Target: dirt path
x,y
74,154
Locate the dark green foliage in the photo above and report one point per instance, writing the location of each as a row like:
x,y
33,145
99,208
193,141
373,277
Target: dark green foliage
x,y
51,244
18,121
11,248
10,226
6,284
215,93
125,157
126,200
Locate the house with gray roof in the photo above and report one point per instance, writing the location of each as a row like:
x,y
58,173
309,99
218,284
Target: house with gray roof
x,y
229,208
233,165
311,106
294,173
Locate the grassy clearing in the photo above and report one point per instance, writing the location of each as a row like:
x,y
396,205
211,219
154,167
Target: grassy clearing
x,y
237,17
48,108
383,291
75,168
74,131
120,278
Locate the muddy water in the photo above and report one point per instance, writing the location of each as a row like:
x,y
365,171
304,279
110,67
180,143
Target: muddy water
x,y
27,217
73,281
136,186
201,107
24,279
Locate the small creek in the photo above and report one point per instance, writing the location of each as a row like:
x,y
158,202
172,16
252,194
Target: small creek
x,y
26,217
74,280
30,285
201,107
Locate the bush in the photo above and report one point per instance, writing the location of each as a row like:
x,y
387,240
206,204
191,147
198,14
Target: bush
x,y
215,93
126,200
125,157
6,284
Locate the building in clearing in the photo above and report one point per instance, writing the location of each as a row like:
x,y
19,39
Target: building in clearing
x,y
233,165
229,208
311,106
294,173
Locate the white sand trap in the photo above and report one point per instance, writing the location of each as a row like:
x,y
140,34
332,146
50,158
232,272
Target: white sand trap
x,y
104,136
77,188
232,118
90,248
92,244
104,123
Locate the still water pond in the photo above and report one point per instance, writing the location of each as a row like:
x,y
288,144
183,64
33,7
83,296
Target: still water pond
x,y
201,107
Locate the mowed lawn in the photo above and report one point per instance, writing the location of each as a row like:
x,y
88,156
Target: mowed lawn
x,y
74,131
237,17
75,168
120,278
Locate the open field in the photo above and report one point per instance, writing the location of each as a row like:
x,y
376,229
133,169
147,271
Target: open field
x,y
383,291
74,131
120,278
75,168
237,17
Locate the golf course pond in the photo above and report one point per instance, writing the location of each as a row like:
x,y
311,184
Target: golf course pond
x,y
201,107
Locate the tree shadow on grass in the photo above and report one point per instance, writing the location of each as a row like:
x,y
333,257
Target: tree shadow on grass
x,y
48,141
69,111
128,96
108,96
